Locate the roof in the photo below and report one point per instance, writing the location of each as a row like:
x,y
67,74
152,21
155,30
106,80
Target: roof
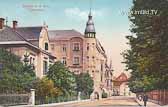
x,y
90,25
122,77
30,33
63,34
100,48
8,34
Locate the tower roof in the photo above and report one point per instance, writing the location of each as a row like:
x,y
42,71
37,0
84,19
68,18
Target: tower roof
x,y
90,24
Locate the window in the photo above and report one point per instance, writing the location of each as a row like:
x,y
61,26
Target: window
x,y
101,77
30,60
101,67
64,60
76,61
87,58
87,46
45,67
64,48
93,45
33,60
76,47
46,46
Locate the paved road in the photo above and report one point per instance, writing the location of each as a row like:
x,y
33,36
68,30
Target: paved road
x,y
111,102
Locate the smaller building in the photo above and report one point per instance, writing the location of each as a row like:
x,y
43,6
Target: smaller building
x,y
29,42
120,85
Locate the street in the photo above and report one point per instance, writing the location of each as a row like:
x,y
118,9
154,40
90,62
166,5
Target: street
x,y
110,102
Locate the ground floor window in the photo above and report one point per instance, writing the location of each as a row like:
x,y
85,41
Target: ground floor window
x,y
64,61
45,67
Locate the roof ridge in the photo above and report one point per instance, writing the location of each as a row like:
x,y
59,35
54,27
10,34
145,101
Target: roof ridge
x,y
28,27
63,30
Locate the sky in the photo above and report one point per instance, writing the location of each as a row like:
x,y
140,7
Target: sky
x,y
110,19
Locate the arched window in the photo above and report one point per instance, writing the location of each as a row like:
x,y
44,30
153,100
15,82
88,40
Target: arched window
x,y
46,46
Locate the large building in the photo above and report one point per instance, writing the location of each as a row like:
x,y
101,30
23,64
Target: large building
x,y
83,53
79,52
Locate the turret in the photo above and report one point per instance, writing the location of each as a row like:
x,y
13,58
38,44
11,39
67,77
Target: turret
x,y
90,29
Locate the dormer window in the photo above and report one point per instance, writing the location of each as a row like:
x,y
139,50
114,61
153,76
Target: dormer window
x,y
46,46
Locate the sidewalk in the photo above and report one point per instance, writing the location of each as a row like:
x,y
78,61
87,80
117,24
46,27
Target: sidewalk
x,y
52,104
149,104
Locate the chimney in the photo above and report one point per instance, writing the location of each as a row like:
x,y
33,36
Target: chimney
x,y
2,23
15,24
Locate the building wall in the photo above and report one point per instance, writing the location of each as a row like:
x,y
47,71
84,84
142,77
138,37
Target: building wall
x,y
36,56
44,39
69,53
92,58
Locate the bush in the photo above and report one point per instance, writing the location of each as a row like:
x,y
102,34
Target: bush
x,y
104,95
45,90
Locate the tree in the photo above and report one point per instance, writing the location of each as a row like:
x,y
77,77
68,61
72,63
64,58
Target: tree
x,y
45,89
62,78
148,54
14,75
84,84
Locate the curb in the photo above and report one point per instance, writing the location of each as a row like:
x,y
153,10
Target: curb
x,y
52,104
61,103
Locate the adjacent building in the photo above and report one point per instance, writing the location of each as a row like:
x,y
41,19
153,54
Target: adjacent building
x,y
31,42
120,85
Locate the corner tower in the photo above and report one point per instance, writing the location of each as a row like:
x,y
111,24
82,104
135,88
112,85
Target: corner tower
x,y
92,57
90,29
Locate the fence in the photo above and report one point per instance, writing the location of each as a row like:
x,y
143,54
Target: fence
x,y
159,96
14,99
17,99
59,99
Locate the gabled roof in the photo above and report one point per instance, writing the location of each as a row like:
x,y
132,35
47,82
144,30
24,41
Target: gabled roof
x,y
30,33
122,77
63,34
8,34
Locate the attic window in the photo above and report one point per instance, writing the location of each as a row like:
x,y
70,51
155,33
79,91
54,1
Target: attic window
x,y
46,46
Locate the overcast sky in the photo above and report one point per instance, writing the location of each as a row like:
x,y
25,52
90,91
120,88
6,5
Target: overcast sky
x,y
110,18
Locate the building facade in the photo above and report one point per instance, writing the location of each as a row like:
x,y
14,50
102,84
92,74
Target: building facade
x,y
120,86
30,42
83,53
